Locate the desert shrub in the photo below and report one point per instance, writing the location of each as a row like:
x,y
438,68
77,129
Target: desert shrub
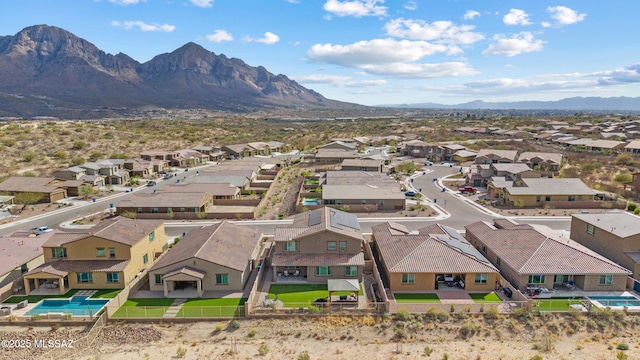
x,y
252,332
632,207
78,145
181,352
622,346
304,356
519,203
620,355
29,156
428,351
400,334
636,211
468,329
60,155
492,313
263,350
522,313
77,161
235,324
403,315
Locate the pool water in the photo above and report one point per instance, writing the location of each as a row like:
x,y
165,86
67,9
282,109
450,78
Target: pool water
x,y
310,202
76,306
616,300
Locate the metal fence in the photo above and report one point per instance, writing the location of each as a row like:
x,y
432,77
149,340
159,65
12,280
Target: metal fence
x,y
195,312
319,309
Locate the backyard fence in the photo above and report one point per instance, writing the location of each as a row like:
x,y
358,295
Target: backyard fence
x,y
297,309
191,312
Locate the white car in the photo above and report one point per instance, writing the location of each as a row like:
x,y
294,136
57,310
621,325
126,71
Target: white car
x,y
41,230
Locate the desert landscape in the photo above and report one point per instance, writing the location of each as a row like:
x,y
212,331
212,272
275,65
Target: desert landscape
x,y
431,335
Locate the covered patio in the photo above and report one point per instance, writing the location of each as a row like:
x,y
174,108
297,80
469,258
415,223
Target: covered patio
x,y
343,285
185,282
46,280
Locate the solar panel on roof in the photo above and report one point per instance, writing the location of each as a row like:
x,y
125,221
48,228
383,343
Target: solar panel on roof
x,y
315,217
463,246
335,220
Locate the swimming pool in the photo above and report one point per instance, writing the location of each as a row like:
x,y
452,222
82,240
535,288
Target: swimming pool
x,y
616,301
76,306
311,201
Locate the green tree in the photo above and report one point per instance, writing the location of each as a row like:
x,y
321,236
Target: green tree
x,y
28,198
623,179
95,155
77,161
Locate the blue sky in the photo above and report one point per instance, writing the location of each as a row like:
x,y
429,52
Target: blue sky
x,y
378,52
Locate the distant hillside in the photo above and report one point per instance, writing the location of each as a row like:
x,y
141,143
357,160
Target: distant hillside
x,y
45,70
569,104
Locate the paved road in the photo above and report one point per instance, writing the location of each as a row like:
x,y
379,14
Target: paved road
x,y
457,210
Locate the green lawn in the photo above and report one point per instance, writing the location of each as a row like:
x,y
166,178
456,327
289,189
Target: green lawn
x,y
490,297
35,298
312,182
416,298
303,293
220,307
106,293
150,308
556,304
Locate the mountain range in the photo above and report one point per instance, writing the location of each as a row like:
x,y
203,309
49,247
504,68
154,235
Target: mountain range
x,y
46,70
569,104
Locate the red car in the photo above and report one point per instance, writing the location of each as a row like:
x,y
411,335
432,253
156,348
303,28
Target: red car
x,y
468,190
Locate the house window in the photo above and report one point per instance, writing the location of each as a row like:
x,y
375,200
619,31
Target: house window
x,y
579,197
84,277
194,210
24,268
561,279
291,246
538,198
59,253
169,210
408,278
535,279
323,271
154,210
343,246
363,202
481,278
381,202
351,271
222,279
338,202
606,279
158,278
100,252
152,236
498,261
113,277
331,246
145,258
591,229
484,249
139,210
181,209
571,198
112,253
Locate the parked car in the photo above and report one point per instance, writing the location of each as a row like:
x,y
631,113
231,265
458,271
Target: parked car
x,y
410,193
320,302
468,190
428,163
41,230
167,176
151,183
507,292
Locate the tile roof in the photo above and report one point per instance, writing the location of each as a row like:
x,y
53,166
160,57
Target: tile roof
x,y
513,168
508,154
28,183
358,192
428,253
539,250
164,199
528,155
551,186
619,223
216,189
318,259
119,229
318,220
20,247
633,145
225,244
187,271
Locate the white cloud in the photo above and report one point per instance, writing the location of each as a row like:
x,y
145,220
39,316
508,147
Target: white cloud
x,y
338,81
127,25
126,2
389,57
293,1
411,5
470,14
564,15
377,51
268,38
523,42
545,24
356,8
219,36
439,31
516,17
202,3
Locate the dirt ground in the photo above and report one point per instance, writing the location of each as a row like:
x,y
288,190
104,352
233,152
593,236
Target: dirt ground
x,y
552,337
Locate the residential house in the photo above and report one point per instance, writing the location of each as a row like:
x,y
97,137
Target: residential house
x,y
382,198
107,256
333,156
77,173
462,156
514,171
219,257
339,145
548,164
112,172
188,157
416,148
491,156
22,251
633,148
217,190
159,155
321,244
479,174
167,204
368,165
612,136
534,256
215,153
239,181
239,150
448,151
532,192
605,146
615,235
140,167
431,257
48,189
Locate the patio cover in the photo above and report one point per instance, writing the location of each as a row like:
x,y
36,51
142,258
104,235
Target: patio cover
x,y
343,285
